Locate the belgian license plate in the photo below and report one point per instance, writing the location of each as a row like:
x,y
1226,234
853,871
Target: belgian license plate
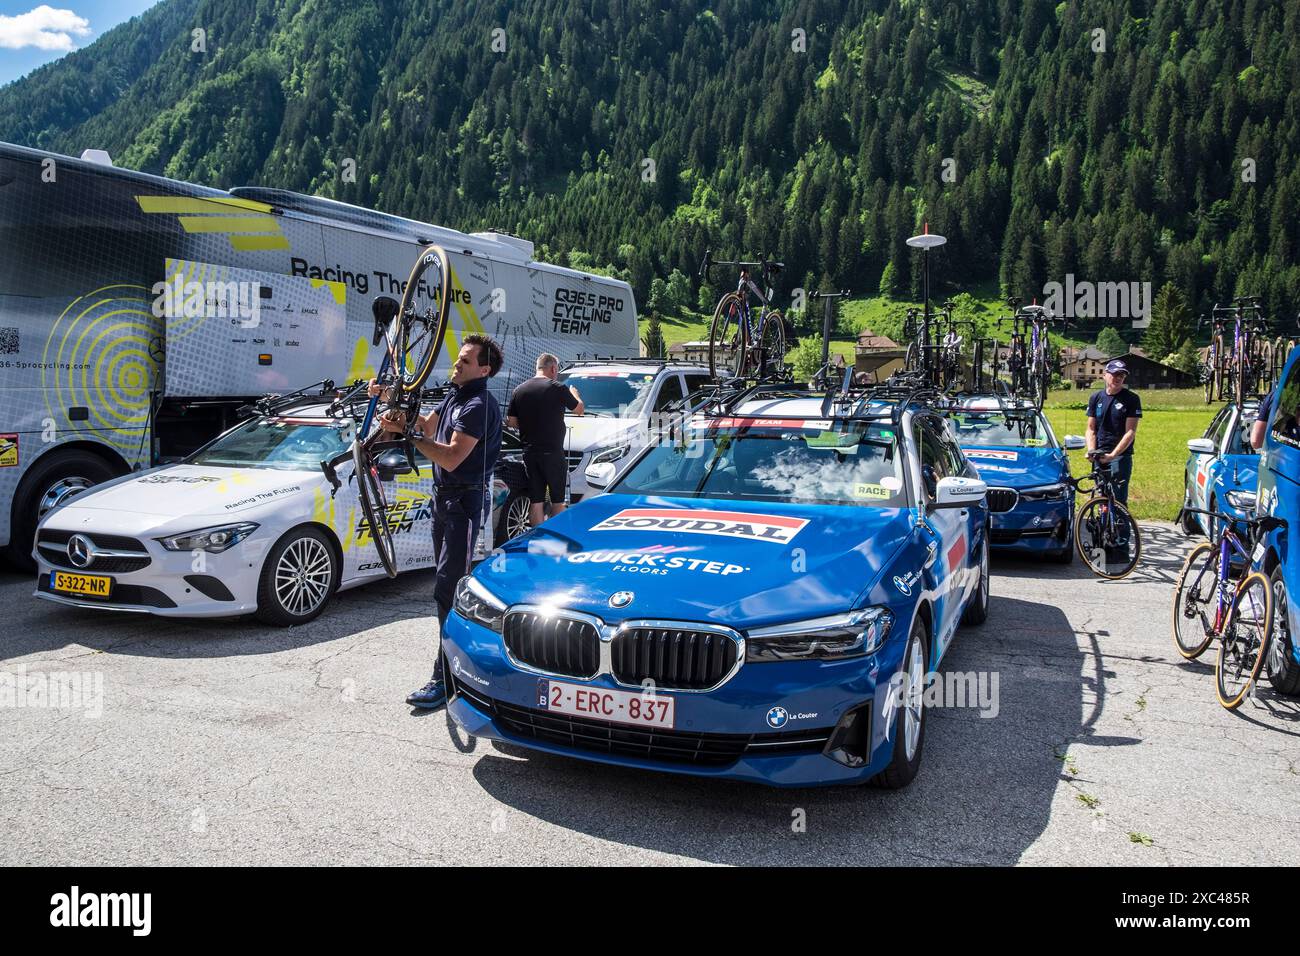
x,y
81,585
616,706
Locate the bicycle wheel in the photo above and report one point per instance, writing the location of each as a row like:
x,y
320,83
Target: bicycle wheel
x,y
771,344
977,367
1218,371
726,345
420,334
1107,538
1194,603
1263,367
374,505
1207,381
912,360
1244,644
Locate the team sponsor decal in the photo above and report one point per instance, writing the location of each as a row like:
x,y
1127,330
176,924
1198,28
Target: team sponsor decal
x,y
812,423
574,310
263,496
774,529
957,552
179,479
658,559
464,673
906,582
989,453
777,717
401,517
8,450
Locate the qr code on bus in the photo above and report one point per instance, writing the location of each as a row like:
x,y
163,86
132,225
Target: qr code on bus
x,y
8,341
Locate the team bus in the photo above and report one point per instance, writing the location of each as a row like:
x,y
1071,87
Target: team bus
x,y
138,314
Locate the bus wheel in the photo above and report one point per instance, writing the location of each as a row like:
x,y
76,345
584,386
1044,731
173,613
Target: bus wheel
x,y
53,480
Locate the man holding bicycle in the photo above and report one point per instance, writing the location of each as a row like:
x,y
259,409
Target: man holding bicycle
x,y
1113,414
462,437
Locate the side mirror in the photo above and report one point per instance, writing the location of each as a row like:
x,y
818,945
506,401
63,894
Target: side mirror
x,y
600,475
384,309
391,464
1200,446
954,492
1075,442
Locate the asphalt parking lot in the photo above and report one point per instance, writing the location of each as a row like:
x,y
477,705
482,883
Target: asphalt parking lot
x,y
229,743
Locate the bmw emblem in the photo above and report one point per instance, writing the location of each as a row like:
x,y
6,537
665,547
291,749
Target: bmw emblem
x,y
455,665
776,717
621,598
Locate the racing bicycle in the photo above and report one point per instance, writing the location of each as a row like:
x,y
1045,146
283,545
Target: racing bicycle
x,y
1240,361
1028,363
1105,534
742,343
412,339
1209,603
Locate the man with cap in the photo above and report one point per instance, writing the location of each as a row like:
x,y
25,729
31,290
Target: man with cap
x,y
1113,414
462,437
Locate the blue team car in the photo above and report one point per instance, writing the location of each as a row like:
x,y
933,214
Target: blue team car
x,y
1013,448
758,596
1278,555
1222,469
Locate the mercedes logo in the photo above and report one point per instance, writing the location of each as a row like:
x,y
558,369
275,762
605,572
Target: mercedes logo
x,y
621,598
80,551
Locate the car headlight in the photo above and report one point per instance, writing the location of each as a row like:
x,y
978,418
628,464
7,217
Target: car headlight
x,y
476,603
837,636
608,453
1241,500
214,540
1056,492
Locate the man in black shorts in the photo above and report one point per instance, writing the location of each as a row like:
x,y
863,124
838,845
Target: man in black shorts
x,y
537,409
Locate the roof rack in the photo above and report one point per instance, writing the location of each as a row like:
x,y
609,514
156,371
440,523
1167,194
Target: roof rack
x,y
628,360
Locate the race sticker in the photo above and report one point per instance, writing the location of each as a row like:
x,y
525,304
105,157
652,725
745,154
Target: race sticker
x,y
988,453
1035,442
775,529
865,490
813,423
8,451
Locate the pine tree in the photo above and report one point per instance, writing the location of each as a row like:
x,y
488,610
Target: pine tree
x,y
1110,343
1171,323
654,336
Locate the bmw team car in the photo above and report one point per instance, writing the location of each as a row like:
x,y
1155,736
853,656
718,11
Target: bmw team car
x,y
1012,446
246,524
1278,555
1222,469
759,597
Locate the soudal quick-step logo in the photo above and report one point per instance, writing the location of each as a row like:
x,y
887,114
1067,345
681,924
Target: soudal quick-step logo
x,y
775,529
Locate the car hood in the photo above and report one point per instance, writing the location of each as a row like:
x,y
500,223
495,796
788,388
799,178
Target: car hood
x,y
1017,467
739,563
592,431
186,491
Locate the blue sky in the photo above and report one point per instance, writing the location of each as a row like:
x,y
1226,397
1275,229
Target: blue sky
x,y
34,32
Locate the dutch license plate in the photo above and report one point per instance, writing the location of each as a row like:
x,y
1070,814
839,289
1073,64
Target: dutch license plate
x,y
616,706
81,585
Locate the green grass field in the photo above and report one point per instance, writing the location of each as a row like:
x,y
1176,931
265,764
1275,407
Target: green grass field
x,y
1169,418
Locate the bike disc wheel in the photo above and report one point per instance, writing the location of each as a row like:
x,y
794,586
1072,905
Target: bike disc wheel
x,y
1100,540
374,505
1245,640
1194,604
421,333
723,331
771,345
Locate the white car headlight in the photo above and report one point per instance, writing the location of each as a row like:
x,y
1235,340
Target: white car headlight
x,y
476,603
214,540
1241,500
609,453
852,634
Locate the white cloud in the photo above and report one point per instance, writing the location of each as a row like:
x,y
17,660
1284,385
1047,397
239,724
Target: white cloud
x,y
44,28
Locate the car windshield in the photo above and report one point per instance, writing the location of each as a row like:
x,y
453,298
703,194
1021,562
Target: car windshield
x,y
982,429
853,463
282,443
615,394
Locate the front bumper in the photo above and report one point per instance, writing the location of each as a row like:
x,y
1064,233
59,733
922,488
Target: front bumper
x,y
1033,526
723,733
172,584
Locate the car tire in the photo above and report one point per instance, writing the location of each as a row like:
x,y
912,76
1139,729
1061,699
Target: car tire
x,y
54,478
307,553
1283,671
1191,527
977,611
514,510
909,738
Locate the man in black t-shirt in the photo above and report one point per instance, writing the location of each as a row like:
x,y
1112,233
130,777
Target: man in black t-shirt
x,y
1113,414
537,409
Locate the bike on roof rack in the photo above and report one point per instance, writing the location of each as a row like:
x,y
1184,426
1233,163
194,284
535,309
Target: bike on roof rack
x,y
1029,362
742,343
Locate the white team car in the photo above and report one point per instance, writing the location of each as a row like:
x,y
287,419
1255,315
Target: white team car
x,y
246,524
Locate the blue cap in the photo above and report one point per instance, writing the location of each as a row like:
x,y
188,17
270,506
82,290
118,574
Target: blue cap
x,y
1115,365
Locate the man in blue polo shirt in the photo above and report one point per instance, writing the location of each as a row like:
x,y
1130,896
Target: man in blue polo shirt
x,y
462,437
1113,414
